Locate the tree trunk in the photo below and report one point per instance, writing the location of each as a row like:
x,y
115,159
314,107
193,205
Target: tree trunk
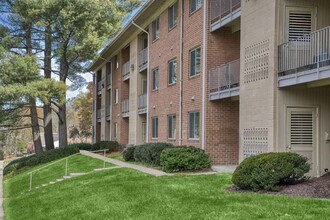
x,y
32,101
48,122
62,128
35,127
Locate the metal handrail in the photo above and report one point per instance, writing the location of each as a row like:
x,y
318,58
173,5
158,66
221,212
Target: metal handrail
x,y
306,51
222,8
143,57
41,168
224,77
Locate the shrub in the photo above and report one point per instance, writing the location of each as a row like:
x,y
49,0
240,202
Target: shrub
x,y
270,171
110,145
128,154
1,155
184,158
37,159
150,153
82,146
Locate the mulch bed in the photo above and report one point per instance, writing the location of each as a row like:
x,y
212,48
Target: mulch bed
x,y
312,188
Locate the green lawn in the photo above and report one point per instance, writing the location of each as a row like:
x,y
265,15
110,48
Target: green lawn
x,y
129,194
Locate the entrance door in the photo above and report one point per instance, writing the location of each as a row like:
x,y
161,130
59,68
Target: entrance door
x,y
302,135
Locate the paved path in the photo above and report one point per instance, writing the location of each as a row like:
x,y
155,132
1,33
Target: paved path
x,y
2,214
143,169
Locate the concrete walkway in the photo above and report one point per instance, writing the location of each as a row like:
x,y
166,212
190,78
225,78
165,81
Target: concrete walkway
x,y
143,169
2,214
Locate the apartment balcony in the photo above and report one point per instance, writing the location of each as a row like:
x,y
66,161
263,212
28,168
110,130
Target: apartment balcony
x,y
306,59
125,108
224,81
99,87
126,71
108,113
143,59
224,12
109,81
142,104
98,115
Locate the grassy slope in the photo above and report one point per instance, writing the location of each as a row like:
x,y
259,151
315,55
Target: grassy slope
x,y
128,194
76,164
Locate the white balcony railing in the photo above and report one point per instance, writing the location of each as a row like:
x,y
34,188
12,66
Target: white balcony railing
x,y
143,59
108,111
221,9
224,79
125,108
109,80
126,71
98,114
142,104
99,86
311,51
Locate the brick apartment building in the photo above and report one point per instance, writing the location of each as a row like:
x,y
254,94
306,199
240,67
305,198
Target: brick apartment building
x,y
236,78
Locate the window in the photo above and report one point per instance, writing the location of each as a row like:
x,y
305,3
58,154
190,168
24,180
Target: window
x,y
155,29
116,62
172,15
155,127
194,125
171,126
195,5
116,96
171,72
115,128
195,61
155,79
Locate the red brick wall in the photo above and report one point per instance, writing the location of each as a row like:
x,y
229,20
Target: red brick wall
x,y
166,100
222,116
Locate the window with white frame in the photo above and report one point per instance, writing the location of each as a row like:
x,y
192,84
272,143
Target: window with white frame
x,y
116,96
154,127
172,72
195,61
193,125
171,126
172,15
115,132
155,29
155,79
195,5
116,62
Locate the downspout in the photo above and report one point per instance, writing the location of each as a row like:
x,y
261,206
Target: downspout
x,y
204,72
148,84
181,70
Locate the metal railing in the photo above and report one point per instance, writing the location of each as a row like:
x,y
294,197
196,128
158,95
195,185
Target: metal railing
x,y
222,8
65,171
109,79
98,114
142,101
307,52
99,86
126,70
125,106
108,111
224,77
143,57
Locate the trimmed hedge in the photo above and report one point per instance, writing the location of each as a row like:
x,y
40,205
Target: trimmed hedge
x,y
110,145
37,159
128,154
82,146
183,158
270,171
150,153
